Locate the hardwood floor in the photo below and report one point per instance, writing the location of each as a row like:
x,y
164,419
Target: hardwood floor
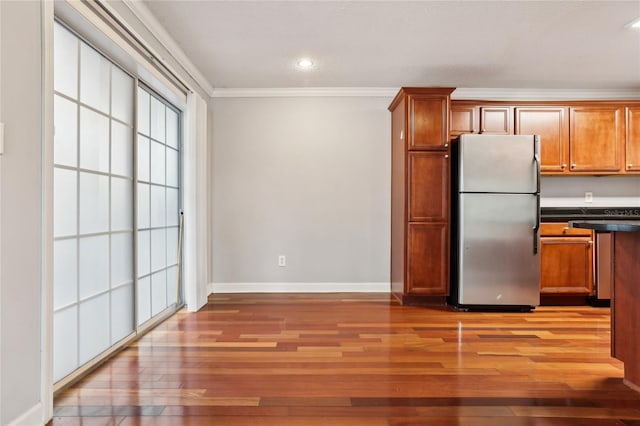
x,y
359,359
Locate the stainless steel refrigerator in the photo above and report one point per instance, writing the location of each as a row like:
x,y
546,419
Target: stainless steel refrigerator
x,y
495,222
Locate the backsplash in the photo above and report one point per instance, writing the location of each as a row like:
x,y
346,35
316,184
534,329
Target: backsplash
x,y
607,191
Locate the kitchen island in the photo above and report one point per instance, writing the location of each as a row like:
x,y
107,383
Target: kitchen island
x,y
625,296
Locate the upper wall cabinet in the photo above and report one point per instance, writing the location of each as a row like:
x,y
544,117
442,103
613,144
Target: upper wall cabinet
x,y
464,119
633,139
493,120
552,124
496,120
577,137
596,138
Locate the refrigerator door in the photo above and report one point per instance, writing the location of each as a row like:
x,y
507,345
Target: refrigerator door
x,y
498,263
498,163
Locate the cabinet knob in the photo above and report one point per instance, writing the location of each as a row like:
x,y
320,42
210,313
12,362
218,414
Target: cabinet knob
x,y
446,156
563,165
590,243
446,145
629,166
573,166
565,229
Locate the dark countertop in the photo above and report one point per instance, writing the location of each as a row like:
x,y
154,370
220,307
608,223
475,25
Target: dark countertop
x,y
566,214
607,225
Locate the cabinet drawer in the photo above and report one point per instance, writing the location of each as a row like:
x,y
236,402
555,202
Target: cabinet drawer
x,y
562,229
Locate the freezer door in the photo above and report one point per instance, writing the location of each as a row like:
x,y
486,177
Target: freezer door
x,y
498,264
498,163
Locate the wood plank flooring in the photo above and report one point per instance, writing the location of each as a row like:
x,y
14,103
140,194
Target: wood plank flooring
x,y
359,359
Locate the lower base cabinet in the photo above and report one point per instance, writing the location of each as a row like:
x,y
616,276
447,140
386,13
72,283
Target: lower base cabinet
x,y
566,260
427,260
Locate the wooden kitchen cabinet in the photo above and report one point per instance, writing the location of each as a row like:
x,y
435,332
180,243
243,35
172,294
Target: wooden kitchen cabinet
x,y
420,179
577,137
566,260
496,120
428,183
427,247
428,126
596,138
467,117
632,153
464,119
552,124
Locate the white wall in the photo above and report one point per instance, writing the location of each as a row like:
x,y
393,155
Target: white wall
x,y
608,191
21,208
304,177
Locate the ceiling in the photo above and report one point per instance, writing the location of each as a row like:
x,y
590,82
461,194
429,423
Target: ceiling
x,y
473,44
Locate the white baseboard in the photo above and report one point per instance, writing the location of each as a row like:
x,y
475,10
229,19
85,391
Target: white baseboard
x,y
379,287
31,417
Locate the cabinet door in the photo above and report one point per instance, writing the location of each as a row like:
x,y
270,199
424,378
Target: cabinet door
x,y
496,120
566,265
464,119
428,122
633,139
429,186
428,259
596,138
553,127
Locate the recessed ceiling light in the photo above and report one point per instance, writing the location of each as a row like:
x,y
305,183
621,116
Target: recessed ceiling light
x,y
634,25
305,64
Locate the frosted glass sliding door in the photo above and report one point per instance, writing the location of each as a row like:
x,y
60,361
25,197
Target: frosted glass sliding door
x,y
116,204
94,303
158,205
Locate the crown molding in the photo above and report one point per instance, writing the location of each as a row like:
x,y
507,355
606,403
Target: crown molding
x,y
542,94
460,93
292,92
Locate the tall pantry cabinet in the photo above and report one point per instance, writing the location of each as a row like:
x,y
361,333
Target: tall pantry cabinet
x,y
420,216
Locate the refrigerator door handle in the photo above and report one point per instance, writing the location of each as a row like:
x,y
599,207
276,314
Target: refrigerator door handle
x,y
536,159
536,228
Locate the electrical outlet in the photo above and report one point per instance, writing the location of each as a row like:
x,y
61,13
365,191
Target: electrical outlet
x,y
282,260
588,197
